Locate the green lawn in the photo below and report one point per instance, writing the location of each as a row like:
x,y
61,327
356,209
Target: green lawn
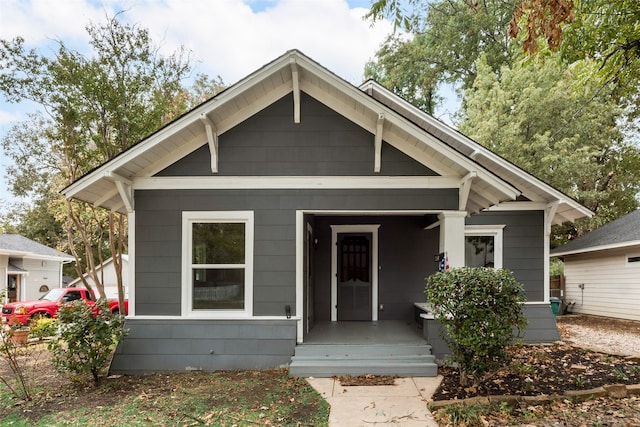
x,y
233,398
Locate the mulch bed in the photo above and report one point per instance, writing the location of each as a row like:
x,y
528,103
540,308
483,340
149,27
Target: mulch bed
x,y
539,369
545,369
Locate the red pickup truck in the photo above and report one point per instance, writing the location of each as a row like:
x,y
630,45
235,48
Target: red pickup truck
x,y
49,304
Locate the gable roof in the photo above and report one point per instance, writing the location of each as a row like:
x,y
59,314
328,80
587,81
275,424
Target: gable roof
x,y
17,246
375,109
623,232
532,188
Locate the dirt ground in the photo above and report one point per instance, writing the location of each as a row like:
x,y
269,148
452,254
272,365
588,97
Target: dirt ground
x,y
555,369
535,369
159,399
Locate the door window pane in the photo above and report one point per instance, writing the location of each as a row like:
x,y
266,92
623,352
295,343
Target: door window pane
x,y
354,259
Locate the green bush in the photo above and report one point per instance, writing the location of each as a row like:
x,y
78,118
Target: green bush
x,y
556,267
479,309
43,327
87,336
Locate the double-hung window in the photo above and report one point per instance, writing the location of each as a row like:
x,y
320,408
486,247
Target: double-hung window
x,y
217,264
483,246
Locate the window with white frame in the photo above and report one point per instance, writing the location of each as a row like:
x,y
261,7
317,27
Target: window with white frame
x,y
217,263
483,246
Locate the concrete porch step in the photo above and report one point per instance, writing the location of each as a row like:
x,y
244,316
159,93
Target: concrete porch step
x,y
357,350
327,360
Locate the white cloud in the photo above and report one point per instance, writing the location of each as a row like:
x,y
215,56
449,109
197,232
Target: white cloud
x,y
226,37
41,21
229,39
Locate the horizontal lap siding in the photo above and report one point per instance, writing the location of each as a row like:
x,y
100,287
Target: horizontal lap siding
x,y
159,239
209,345
523,246
322,144
541,325
611,285
269,143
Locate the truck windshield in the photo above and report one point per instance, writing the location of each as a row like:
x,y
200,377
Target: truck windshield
x,y
52,295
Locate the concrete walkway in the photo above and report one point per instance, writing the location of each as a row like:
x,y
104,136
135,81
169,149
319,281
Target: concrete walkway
x,y
402,404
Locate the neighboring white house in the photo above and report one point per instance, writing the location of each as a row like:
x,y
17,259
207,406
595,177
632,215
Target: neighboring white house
x,y
108,272
28,269
602,269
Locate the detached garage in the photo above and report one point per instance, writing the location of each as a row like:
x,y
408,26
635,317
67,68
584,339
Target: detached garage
x,y
602,270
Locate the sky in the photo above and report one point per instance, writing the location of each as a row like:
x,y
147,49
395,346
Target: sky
x,y
226,38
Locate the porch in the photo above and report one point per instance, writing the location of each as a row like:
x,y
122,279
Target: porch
x,y
388,347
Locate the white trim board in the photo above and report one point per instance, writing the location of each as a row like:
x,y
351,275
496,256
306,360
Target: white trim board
x,y
191,217
295,182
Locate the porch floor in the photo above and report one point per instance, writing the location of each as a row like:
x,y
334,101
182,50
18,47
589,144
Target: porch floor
x,y
379,332
358,348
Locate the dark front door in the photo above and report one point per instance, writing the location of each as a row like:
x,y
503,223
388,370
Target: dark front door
x,y
13,291
354,276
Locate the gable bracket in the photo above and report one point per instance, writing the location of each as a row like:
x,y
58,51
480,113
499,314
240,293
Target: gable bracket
x,y
212,139
550,213
378,143
125,188
296,91
465,189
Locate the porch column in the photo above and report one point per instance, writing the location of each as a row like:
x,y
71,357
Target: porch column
x,y
452,236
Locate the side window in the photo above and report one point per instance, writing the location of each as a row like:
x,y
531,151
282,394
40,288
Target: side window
x,y
633,260
71,296
483,246
218,264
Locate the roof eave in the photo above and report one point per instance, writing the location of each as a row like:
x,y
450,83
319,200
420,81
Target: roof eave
x,y
504,190
612,246
554,194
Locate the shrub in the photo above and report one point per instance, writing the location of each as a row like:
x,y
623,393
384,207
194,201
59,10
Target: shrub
x,y
87,336
43,328
479,309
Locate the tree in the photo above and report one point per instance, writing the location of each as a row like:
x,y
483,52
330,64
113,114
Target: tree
x,y
395,68
541,19
607,32
450,35
535,115
95,108
604,31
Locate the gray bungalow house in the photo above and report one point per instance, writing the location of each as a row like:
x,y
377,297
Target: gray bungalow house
x,y
296,215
